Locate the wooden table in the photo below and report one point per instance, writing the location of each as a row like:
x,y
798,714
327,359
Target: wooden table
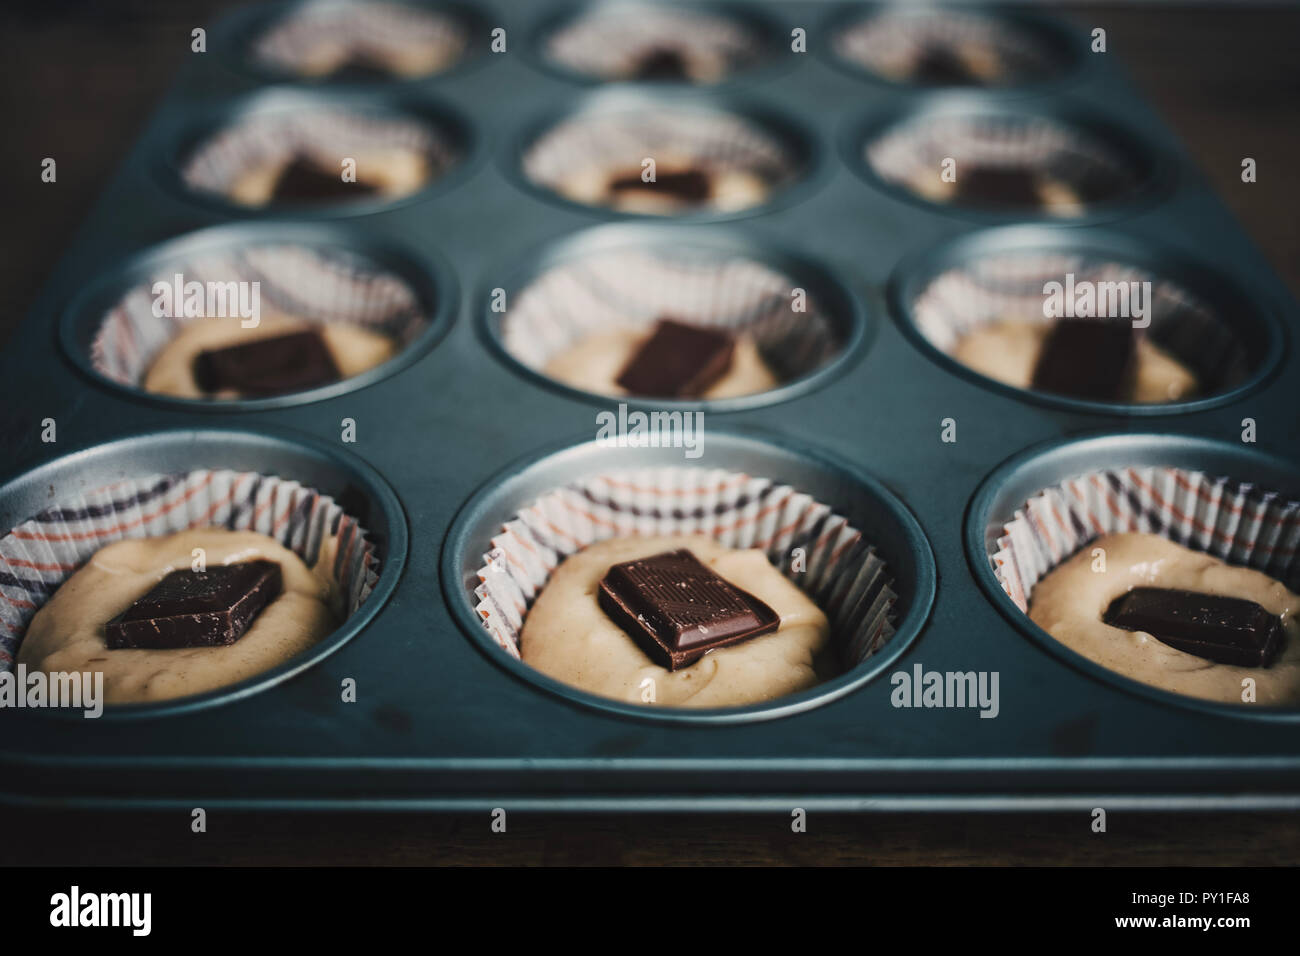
x,y
81,78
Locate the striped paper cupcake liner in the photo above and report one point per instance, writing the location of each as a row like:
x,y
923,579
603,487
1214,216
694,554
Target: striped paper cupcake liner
x,y
915,149
842,573
314,39
45,550
1009,286
632,288
313,284
618,142
892,43
257,140
619,41
1234,521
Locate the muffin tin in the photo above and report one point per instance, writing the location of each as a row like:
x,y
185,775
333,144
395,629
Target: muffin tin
x,y
454,434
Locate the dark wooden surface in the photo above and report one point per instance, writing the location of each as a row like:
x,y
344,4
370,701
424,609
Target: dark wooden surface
x,y
81,77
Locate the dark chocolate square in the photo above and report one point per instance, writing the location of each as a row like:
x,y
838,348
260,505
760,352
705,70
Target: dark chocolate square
x,y
677,608
267,366
678,360
197,608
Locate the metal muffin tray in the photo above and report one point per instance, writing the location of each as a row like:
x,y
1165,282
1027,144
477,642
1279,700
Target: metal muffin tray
x,y
455,433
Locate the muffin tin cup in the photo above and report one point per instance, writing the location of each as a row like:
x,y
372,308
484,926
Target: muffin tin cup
x,y
1043,506
318,503
737,131
1019,32
202,152
886,149
603,48
237,38
1230,338
868,565
627,276
110,332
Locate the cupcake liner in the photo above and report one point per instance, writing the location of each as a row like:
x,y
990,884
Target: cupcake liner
x,y
974,294
918,146
315,285
612,42
619,141
844,575
391,33
258,139
41,553
1234,521
631,288
890,42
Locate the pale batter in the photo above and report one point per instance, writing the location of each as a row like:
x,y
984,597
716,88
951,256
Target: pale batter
x,y
67,633
567,636
730,190
392,171
1069,603
354,348
1007,350
595,363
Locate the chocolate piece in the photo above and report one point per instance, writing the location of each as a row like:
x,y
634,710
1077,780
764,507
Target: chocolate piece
x,y
304,181
362,67
998,186
688,185
662,63
267,366
1226,630
678,361
197,608
677,609
1088,358
940,66
1098,184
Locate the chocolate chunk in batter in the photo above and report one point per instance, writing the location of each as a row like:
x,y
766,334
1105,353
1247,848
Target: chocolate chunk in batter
x,y
678,361
362,67
1088,358
197,608
267,366
662,63
305,181
1226,630
998,186
677,609
688,185
940,66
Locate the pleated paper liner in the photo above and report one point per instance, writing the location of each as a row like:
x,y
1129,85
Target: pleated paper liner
x,y
45,550
619,41
1009,286
313,39
617,141
327,134
914,150
632,288
1235,521
316,285
891,43
844,575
